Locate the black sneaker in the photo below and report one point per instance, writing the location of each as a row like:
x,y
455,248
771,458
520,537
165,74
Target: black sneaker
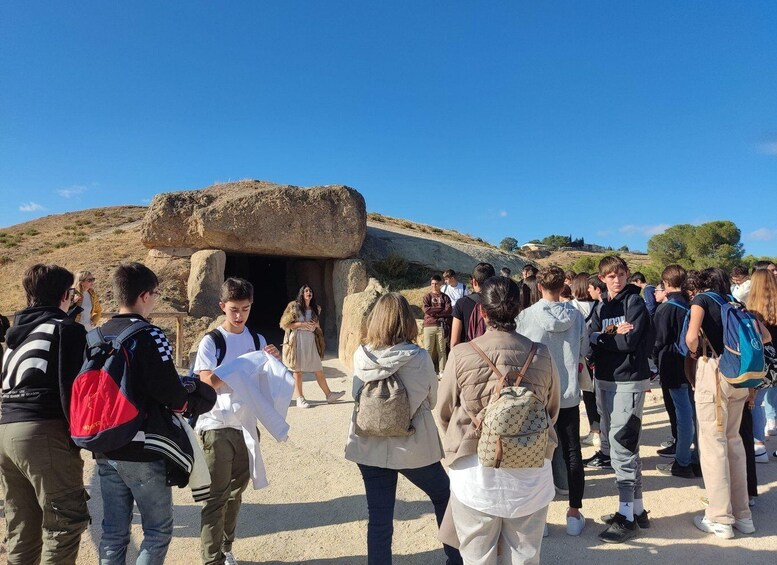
x,y
667,451
642,519
620,530
598,461
674,469
696,468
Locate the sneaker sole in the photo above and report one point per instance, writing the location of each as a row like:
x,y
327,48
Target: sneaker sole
x,y
722,535
631,536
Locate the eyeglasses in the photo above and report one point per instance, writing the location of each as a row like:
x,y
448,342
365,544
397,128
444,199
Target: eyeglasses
x,y
90,279
155,292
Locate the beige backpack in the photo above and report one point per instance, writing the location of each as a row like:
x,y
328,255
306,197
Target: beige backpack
x,y
382,409
514,427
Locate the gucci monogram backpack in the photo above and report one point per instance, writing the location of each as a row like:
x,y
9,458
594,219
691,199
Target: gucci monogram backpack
x,y
514,426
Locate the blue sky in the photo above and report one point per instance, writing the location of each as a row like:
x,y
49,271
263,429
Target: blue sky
x,y
607,120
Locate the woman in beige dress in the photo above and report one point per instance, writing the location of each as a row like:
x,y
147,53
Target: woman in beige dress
x,y
301,353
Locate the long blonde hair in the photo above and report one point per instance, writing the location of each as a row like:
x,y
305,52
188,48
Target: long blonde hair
x,y
81,276
390,322
763,296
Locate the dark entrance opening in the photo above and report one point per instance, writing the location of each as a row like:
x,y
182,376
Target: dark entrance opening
x,y
268,275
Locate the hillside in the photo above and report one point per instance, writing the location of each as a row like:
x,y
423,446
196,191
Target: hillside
x,y
566,259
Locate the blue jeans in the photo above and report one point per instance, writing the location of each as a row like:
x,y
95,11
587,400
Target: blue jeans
x,y
381,487
765,407
770,403
686,429
126,482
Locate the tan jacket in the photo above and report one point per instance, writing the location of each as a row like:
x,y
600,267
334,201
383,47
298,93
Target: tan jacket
x,y
468,384
97,308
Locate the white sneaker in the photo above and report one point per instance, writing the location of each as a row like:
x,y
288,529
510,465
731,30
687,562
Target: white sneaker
x,y
771,428
575,525
723,531
761,456
229,559
592,439
745,525
334,396
302,403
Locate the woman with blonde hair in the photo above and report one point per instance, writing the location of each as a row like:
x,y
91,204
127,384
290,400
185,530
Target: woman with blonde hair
x,y
389,349
303,345
86,298
762,301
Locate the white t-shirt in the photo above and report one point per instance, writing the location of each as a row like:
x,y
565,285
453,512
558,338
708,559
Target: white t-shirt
x,y
507,493
86,315
455,292
237,344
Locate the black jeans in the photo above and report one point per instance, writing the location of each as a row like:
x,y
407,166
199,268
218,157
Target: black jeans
x,y
746,433
381,487
670,410
568,430
589,399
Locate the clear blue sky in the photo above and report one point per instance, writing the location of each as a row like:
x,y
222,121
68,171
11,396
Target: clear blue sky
x,y
606,120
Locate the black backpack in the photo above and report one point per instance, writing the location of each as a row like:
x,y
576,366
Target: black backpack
x,y
221,344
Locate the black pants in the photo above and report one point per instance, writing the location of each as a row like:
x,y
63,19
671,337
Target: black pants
x,y
568,430
589,399
746,433
669,405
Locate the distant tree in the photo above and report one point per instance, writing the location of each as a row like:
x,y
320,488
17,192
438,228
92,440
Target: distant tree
x,y
535,241
624,248
557,240
509,244
714,244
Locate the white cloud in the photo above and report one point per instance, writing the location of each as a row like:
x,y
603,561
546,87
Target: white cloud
x,y
502,213
763,234
71,190
632,229
30,207
768,148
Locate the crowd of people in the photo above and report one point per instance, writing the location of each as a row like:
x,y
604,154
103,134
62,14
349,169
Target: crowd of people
x,y
544,341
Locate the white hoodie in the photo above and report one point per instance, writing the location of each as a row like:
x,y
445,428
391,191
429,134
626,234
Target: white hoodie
x,y
414,368
561,327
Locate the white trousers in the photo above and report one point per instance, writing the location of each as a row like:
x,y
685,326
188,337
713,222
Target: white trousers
x,y
488,540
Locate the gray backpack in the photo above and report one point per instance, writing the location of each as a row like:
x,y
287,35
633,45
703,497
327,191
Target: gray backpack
x,y
382,409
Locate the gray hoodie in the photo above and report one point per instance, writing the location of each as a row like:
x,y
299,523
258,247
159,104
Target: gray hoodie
x,y
414,368
561,327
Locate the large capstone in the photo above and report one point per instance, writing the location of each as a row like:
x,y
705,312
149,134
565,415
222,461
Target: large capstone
x,y
260,218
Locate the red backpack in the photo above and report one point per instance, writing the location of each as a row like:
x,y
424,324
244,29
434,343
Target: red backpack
x,y
476,325
103,414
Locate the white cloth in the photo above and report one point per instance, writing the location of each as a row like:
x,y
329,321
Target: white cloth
x,y
221,415
455,292
507,493
86,315
741,291
258,387
199,478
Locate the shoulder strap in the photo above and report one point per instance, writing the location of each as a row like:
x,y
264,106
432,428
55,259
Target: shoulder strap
x,y
96,336
221,345
503,378
678,304
257,341
715,296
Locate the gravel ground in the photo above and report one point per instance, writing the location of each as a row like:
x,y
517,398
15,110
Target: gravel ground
x,y
314,510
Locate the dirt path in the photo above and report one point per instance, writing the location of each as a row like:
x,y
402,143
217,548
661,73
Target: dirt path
x,y
314,510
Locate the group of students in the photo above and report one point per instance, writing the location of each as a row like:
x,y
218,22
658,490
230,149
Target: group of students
x,y
564,336
563,333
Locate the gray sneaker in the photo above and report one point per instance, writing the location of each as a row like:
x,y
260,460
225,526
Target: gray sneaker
x,y
229,559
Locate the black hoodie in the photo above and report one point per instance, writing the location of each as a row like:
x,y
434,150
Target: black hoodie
x,y
622,360
668,321
45,353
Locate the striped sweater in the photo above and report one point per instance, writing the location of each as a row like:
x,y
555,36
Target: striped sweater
x,y
44,355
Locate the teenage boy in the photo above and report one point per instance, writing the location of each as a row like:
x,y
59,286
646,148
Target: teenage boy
x,y
648,291
452,287
41,471
601,458
740,283
464,307
220,430
131,475
622,338
437,312
561,327
668,321
529,271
